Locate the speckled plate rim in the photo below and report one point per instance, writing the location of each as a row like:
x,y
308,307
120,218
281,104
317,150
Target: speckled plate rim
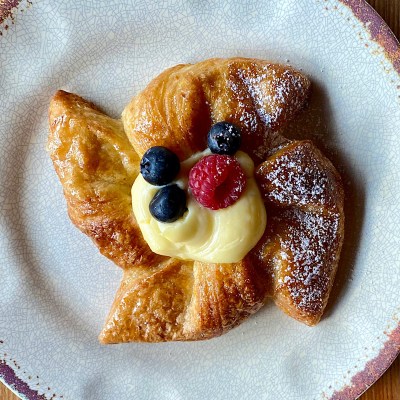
x,y
380,33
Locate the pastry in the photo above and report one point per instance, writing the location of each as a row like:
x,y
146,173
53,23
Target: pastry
x,y
165,298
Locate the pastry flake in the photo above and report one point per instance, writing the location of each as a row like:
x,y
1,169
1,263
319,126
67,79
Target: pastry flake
x,y
162,298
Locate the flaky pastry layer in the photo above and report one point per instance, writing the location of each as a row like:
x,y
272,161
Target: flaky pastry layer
x,y
163,298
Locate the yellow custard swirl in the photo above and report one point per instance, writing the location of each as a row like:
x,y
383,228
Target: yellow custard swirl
x,y
221,236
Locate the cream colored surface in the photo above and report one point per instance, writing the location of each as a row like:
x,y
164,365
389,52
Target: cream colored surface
x,y
203,234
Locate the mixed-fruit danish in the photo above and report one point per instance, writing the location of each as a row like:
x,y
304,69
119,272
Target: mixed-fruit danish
x,y
208,210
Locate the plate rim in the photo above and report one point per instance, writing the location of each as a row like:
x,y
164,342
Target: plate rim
x,y
361,381
380,33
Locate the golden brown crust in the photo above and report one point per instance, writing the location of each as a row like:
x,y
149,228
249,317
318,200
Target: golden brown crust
x,y
97,166
151,308
223,295
162,298
182,300
177,108
301,246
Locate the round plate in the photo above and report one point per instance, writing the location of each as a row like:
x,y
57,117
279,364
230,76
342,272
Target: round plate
x,y
56,288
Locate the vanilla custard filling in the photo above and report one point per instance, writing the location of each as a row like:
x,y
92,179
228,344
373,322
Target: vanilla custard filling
x,y
201,234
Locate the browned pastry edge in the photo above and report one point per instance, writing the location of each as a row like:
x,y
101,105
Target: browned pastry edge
x,y
183,300
305,231
178,107
97,166
165,299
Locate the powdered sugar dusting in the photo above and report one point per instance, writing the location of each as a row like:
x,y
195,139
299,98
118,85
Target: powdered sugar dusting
x,y
297,176
300,186
304,198
256,89
177,108
267,96
309,242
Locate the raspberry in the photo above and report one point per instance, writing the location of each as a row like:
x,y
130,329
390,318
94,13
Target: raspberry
x,y
217,181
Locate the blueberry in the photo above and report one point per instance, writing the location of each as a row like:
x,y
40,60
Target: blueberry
x,y
159,165
168,204
224,138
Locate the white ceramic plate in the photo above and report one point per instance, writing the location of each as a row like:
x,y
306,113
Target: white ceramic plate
x,y
55,287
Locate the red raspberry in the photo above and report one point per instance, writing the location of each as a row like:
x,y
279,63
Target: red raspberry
x,y
217,181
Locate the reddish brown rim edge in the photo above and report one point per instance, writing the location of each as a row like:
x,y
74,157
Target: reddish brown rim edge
x,y
374,369
377,28
6,8
8,376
